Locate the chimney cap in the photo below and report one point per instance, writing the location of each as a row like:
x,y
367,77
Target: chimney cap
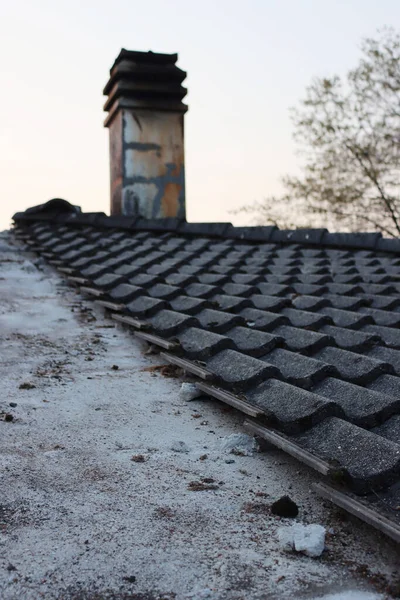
x,y
142,56
145,80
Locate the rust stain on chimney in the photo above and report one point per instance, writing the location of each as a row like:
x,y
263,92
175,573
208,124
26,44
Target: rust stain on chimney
x,y
169,202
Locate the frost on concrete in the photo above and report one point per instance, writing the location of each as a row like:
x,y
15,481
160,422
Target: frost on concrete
x,y
306,539
352,595
189,391
239,443
81,519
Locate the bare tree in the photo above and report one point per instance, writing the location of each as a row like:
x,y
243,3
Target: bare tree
x,y
348,136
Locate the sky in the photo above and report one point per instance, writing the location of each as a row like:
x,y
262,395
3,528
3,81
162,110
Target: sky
x,y
247,64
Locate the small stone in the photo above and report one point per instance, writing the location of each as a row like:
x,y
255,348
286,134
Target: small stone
x,y
285,507
13,404
129,578
8,417
27,386
11,567
240,444
139,458
179,447
229,461
189,392
115,367
306,539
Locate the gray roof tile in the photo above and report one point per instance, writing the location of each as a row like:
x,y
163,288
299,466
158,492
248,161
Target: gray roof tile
x,y
261,319
347,446
302,340
218,321
356,341
346,318
254,342
361,406
199,344
297,369
239,371
145,306
354,367
168,322
289,408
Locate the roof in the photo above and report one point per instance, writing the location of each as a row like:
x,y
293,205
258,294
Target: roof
x,y
106,467
299,329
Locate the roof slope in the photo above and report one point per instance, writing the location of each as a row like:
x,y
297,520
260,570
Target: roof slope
x,y
306,332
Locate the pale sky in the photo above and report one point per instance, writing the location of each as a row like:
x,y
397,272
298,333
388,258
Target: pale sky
x,y
247,63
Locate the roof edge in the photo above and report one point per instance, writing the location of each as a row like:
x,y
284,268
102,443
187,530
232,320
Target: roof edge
x,y
61,211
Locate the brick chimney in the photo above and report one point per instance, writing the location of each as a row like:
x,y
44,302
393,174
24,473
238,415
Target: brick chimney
x,y
145,119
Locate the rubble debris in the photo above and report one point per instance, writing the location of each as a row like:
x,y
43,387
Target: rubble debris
x,y
27,386
240,444
201,486
306,539
129,578
285,507
169,371
180,446
189,392
139,458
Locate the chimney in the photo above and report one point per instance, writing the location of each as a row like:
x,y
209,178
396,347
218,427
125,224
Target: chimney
x,y
145,119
